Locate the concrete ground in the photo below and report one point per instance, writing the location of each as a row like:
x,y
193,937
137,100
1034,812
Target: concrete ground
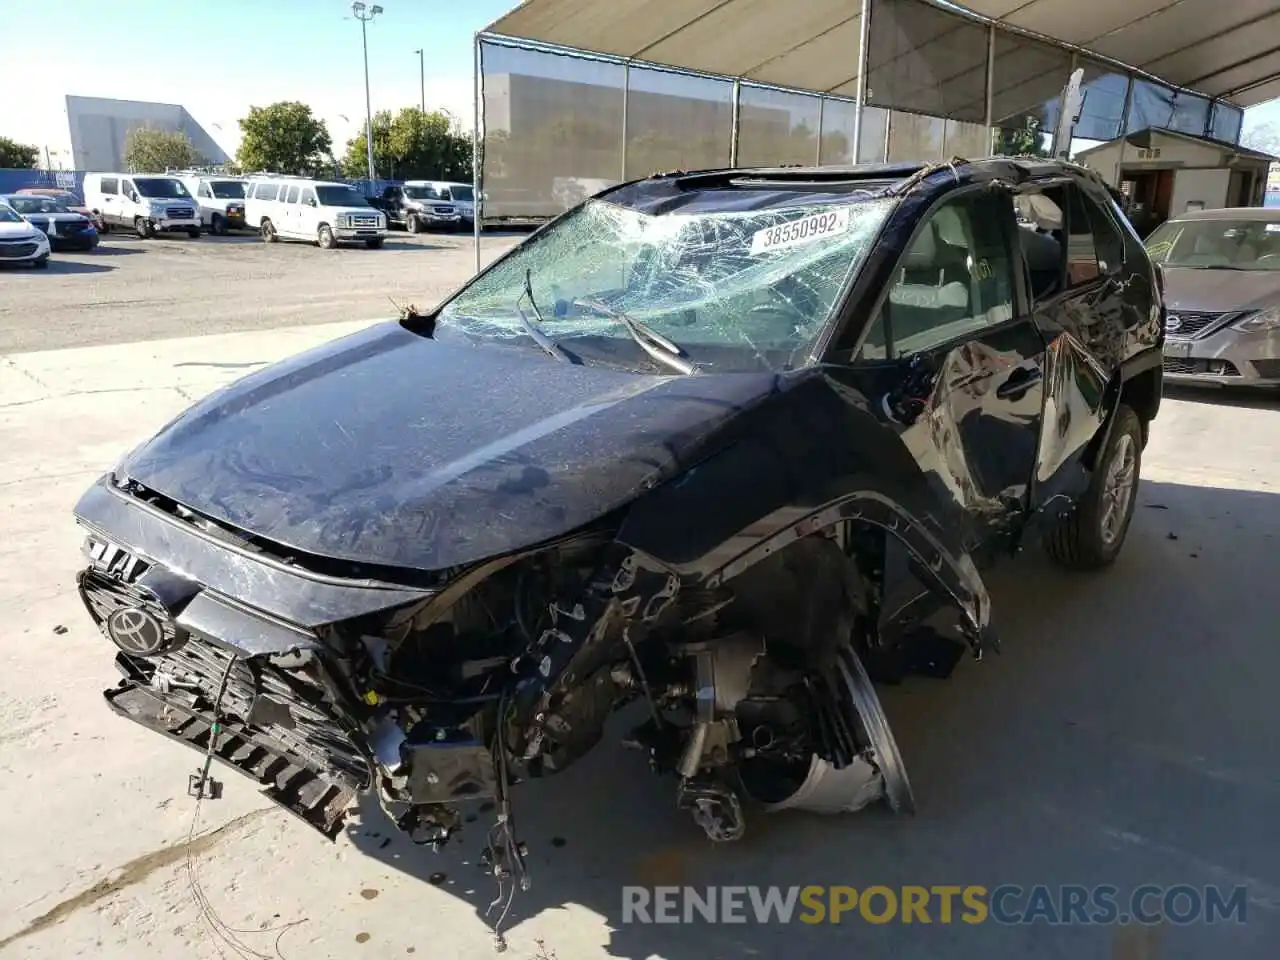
x,y
172,286
1125,736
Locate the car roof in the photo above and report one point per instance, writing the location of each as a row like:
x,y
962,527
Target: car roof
x,y
1263,214
668,192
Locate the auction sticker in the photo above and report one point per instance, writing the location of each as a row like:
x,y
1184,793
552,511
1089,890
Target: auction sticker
x,y
804,230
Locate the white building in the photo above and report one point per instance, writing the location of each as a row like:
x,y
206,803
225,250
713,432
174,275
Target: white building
x,y
99,127
1170,173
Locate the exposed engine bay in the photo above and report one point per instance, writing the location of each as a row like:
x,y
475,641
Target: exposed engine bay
x,y
755,691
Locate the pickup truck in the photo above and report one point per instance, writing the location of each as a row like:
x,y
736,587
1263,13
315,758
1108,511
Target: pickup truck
x,y
417,208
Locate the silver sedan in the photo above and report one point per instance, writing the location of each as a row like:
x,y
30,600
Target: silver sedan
x,y
1222,291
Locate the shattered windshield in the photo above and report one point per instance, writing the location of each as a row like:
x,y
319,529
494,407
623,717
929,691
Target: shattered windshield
x,y
739,289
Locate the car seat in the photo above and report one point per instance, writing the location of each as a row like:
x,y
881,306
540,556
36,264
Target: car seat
x,y
934,284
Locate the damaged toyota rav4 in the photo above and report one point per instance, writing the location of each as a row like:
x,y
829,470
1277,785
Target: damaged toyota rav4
x,y
716,444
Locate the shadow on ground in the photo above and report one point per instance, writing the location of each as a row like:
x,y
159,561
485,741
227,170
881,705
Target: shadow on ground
x,y
58,265
1123,737
110,248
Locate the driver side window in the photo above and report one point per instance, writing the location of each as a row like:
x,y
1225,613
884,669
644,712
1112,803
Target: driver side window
x,y
955,278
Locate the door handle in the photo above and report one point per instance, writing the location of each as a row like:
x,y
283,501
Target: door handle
x,y
1018,383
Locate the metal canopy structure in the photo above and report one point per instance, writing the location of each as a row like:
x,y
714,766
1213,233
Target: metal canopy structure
x,y
1226,50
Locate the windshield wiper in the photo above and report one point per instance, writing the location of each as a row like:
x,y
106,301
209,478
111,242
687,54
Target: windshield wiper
x,y
540,338
667,352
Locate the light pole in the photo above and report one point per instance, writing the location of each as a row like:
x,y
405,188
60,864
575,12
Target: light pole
x,y
422,77
364,15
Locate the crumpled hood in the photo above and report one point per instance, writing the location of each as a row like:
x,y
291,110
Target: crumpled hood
x,y
390,448
1220,291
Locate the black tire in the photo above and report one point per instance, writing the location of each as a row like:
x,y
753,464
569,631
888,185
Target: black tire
x,y
194,233
267,230
1090,537
413,224
41,264
142,227
325,239
218,225
374,243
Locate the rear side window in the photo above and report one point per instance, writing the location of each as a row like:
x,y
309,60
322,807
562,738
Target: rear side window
x,y
267,191
292,195
204,190
309,197
110,185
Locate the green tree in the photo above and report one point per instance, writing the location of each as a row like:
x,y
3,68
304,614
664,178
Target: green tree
x,y
1264,137
152,151
1026,140
14,155
412,145
284,137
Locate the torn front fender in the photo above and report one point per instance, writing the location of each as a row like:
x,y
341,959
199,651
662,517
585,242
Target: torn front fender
x,y
808,458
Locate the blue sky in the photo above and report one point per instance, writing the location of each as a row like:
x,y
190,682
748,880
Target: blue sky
x,y
245,53
240,53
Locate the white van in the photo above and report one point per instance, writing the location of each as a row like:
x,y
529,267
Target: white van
x,y
220,199
147,203
293,208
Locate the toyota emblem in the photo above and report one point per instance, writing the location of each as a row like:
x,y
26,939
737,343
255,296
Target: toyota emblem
x,y
136,631
1173,324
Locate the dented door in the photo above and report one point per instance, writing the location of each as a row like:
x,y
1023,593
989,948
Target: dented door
x,y
967,366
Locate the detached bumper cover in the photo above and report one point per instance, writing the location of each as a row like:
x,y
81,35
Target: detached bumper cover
x,y
317,802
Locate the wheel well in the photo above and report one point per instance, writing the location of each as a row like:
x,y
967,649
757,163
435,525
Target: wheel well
x,y
1141,394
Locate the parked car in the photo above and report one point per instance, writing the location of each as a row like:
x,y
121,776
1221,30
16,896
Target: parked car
x,y
419,205
147,204
65,230
326,214
21,242
219,198
715,443
1222,281
74,203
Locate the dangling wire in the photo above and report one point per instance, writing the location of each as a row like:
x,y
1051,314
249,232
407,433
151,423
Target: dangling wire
x,y
220,929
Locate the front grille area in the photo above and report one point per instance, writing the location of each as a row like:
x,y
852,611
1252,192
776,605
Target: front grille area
x,y
1193,325
363,221
16,251
72,229
280,707
1189,367
104,594
283,705
179,213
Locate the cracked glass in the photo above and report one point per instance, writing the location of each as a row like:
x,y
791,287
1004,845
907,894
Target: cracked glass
x,y
737,289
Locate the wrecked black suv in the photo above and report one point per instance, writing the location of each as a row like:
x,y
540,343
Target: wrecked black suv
x,y
716,444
